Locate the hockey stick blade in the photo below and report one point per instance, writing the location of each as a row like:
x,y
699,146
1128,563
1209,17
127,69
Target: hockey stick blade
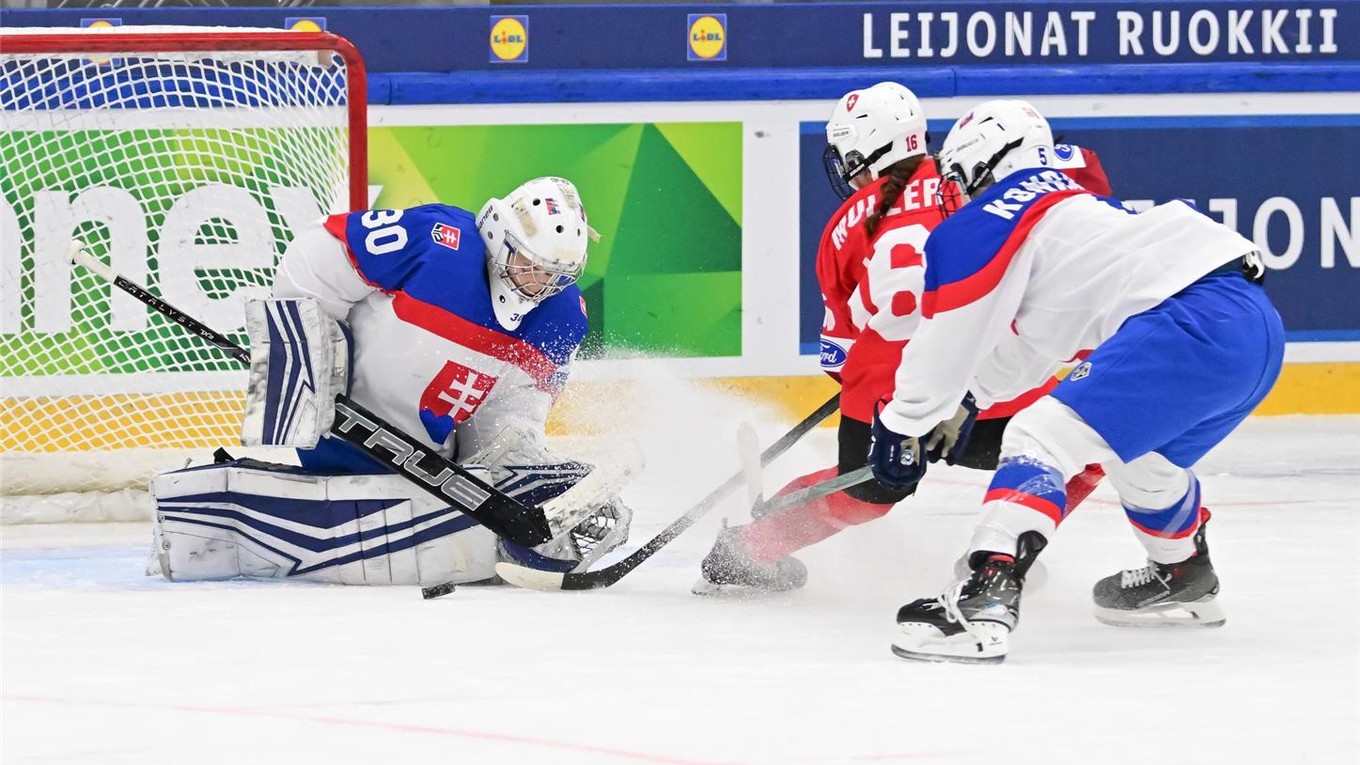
x,y
815,491
748,451
609,575
533,578
364,430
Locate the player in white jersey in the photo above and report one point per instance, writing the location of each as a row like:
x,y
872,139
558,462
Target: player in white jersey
x,y
869,269
457,329
1175,343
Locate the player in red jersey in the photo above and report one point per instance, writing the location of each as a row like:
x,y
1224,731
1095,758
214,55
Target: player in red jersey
x,y
871,274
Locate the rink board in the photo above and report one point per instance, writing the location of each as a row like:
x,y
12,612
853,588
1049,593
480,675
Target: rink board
x,y
212,419
712,280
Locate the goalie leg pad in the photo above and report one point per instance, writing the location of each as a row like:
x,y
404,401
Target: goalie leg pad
x,y
260,520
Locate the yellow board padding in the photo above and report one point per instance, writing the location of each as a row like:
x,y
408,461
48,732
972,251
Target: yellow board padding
x,y
590,408
1315,388
213,418
123,421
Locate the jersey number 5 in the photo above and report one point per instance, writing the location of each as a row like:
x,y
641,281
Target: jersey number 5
x,y
384,235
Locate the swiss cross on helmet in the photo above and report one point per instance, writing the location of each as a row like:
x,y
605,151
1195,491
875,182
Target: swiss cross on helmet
x,y
987,144
869,131
536,240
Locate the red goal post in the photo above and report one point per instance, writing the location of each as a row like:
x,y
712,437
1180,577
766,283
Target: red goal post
x,y
185,157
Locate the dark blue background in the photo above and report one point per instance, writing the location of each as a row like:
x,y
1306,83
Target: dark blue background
x,y
1302,157
620,53
455,39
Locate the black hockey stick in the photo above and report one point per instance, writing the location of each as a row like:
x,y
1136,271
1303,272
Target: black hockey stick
x,y
355,425
536,579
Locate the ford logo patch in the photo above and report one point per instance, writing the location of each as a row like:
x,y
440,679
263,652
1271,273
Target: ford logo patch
x,y
832,355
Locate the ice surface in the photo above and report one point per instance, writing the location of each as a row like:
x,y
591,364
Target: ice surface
x,y
103,665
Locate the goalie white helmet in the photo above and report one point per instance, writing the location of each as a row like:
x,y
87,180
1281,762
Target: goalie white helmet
x,y
871,130
992,141
536,240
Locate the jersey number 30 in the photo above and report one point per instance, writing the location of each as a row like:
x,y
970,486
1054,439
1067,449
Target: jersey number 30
x,y
384,235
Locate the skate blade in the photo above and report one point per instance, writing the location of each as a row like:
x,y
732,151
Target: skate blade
x,y
1199,614
706,589
923,642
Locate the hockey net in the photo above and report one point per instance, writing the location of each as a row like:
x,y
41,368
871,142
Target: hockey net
x,y
185,158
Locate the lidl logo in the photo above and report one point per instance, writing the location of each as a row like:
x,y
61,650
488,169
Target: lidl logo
x,y
707,37
305,23
105,23
509,39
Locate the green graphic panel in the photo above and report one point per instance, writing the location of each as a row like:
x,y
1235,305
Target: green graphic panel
x,y
665,277
104,181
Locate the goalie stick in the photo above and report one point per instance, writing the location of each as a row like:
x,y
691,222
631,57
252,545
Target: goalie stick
x,y
591,580
367,432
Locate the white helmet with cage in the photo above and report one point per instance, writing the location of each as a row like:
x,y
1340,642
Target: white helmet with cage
x,y
992,141
871,130
536,240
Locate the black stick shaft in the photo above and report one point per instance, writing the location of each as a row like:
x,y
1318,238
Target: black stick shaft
x,y
186,321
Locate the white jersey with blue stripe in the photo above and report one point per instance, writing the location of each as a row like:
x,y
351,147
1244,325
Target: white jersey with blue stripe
x,y
1034,272
429,354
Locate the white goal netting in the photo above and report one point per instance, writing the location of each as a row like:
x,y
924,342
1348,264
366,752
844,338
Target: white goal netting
x,y
184,158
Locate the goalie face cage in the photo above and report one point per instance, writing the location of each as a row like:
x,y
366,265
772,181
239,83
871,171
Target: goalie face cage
x,y
185,158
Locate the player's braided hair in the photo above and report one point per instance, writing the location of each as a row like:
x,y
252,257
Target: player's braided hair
x,y
897,176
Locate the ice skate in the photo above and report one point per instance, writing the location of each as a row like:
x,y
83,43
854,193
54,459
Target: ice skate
x,y
1180,594
970,623
728,570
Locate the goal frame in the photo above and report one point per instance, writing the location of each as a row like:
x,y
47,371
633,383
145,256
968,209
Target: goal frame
x,y
206,40
123,468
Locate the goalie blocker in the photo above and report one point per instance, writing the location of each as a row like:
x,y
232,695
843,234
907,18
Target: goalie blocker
x,y
299,363
246,518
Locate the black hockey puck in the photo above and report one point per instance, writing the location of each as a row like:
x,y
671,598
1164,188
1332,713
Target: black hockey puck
x,y
437,590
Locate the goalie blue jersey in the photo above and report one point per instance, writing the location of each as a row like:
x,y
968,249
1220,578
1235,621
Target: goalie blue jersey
x,y
428,353
433,254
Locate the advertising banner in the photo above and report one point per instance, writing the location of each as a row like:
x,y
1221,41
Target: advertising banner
x,y
665,277
813,35
1286,182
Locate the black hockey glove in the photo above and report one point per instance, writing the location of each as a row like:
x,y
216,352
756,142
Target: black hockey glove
x,y
898,462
